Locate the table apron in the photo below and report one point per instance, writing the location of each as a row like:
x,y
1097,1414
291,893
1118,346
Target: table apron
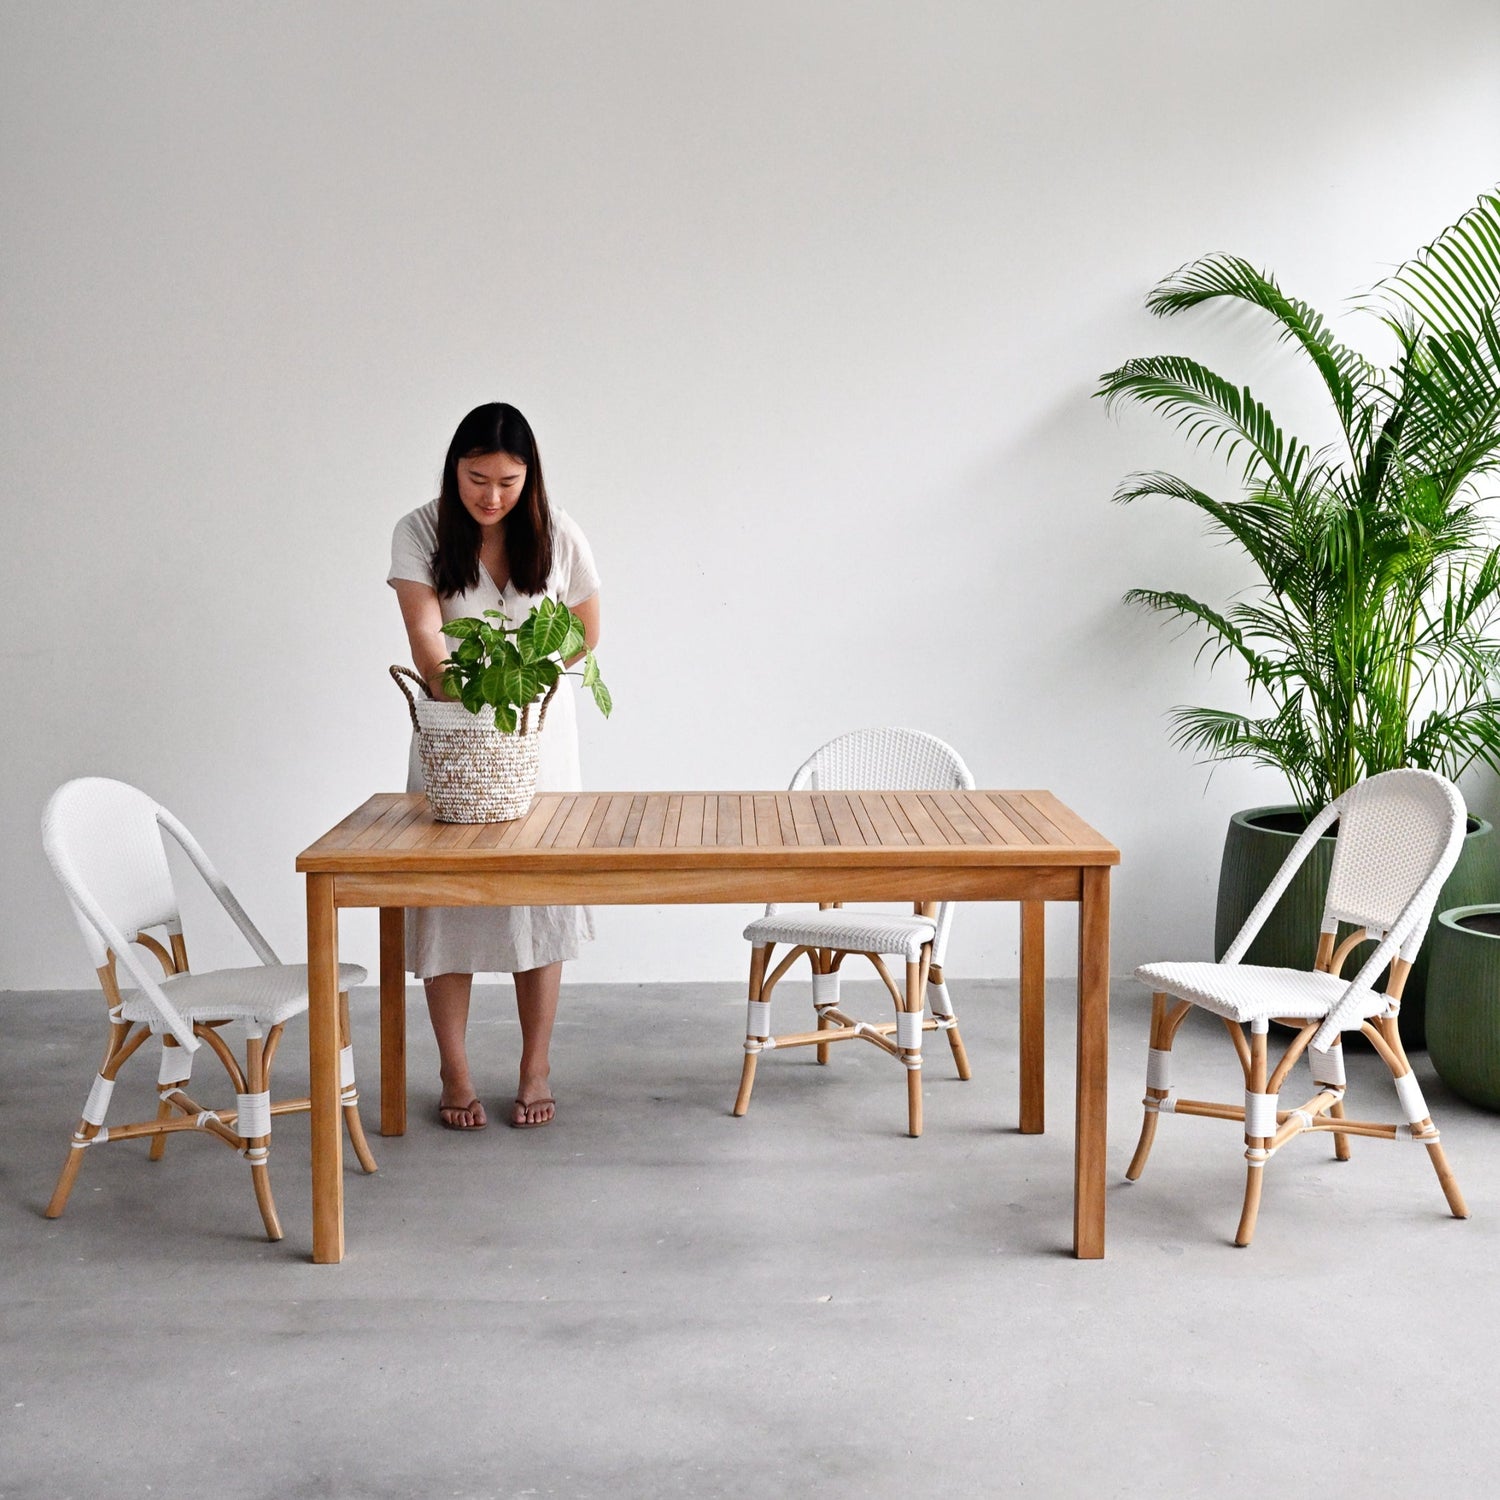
x,y
692,887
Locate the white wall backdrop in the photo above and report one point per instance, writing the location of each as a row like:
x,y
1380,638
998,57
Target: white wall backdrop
x,y
805,300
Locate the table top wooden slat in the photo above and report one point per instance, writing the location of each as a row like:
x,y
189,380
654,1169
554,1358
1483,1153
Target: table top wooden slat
x,y
787,820
1061,817
991,815
956,813
633,818
690,824
922,825
570,835
596,821
767,821
613,827
805,821
362,816
575,831
1027,817
653,821
390,822
729,821
888,831
845,824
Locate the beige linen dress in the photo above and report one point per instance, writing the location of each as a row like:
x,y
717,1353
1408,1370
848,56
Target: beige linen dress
x,y
503,939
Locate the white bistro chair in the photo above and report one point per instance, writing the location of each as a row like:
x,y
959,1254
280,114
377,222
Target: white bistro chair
x,y
866,760
104,842
1399,835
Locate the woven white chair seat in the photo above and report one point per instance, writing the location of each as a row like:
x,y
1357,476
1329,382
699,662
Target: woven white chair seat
x,y
848,931
271,993
1247,992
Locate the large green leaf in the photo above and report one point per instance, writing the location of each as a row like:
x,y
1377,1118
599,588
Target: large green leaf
x,y
595,684
545,630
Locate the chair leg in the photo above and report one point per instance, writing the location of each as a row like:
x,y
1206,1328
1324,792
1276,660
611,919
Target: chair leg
x,y
1158,1084
1255,1145
757,1025
1340,1142
164,1111
1415,1106
909,1038
825,986
257,1146
176,1068
1255,1176
69,1174
349,1092
942,1011
94,1111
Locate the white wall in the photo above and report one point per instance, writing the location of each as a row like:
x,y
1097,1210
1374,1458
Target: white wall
x,y
805,302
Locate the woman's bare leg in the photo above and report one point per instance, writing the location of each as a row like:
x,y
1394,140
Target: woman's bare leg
x,y
448,1009
536,1008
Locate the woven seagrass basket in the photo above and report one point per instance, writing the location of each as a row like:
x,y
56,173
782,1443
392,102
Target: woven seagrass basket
x,y
472,772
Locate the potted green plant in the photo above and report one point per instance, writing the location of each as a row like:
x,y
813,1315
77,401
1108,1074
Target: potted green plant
x,y
479,748
1365,642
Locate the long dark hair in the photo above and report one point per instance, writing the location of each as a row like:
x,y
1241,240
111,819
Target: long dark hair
x,y
494,428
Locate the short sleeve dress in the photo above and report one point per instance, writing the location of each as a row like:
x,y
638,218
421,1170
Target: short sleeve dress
x,y
504,939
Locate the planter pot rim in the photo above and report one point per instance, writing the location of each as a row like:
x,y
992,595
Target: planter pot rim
x,y
1246,816
1454,916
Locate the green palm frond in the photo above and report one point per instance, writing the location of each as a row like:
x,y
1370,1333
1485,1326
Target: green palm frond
x,y
1282,741
1454,282
1348,375
1256,522
1451,387
1210,410
1224,636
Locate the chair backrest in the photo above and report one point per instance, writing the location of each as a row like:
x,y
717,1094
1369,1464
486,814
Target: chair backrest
x,y
884,760
104,844
877,760
1399,836
1400,833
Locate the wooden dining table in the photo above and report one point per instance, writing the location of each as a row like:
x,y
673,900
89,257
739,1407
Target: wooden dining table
x,y
656,848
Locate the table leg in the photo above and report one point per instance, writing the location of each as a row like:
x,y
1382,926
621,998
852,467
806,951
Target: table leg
x,y
323,1070
392,1020
1033,1017
1093,1064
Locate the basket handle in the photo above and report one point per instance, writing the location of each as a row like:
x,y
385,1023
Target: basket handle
x,y
397,673
542,717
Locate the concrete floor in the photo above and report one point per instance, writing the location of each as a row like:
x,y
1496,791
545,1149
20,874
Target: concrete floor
x,y
650,1298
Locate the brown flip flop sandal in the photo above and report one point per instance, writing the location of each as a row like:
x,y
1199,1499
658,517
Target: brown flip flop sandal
x,y
525,1104
470,1108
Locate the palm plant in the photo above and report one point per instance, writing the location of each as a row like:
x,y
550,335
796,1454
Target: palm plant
x,y
1366,638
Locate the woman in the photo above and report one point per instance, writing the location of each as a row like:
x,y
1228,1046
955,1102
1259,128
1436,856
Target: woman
x,y
491,541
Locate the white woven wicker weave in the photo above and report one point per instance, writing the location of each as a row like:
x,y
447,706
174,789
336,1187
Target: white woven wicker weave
x,y
104,842
849,931
1399,836
866,760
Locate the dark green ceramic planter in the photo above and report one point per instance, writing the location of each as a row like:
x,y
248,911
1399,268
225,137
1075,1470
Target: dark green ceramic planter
x,y
1254,852
1463,1002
